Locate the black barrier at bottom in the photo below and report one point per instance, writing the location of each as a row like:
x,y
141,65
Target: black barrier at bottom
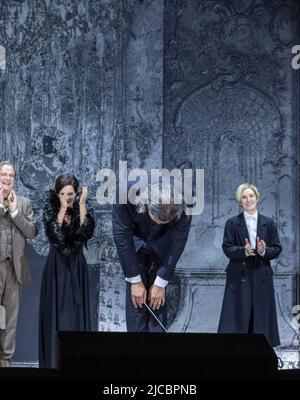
x,y
165,357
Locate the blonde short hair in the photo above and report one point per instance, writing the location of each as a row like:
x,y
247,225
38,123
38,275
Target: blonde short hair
x,y
244,186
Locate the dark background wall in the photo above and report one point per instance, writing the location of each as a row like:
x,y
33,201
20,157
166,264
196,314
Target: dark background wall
x,y
89,83
230,107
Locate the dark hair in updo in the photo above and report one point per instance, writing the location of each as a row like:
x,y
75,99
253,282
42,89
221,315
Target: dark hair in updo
x,y
66,180
60,182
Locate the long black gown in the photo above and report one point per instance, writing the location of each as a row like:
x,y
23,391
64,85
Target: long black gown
x,y
64,301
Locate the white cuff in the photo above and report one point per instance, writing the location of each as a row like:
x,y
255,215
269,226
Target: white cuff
x,y
14,214
160,282
262,254
134,279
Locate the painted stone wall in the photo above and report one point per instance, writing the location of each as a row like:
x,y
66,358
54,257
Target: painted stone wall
x,y
81,91
153,82
231,108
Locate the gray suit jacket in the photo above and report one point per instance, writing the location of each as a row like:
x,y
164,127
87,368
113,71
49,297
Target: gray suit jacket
x,y
24,226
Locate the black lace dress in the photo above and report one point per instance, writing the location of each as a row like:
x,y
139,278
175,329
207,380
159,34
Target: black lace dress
x,y
64,301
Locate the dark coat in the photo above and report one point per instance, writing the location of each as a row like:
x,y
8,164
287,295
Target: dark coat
x,y
131,229
249,285
64,300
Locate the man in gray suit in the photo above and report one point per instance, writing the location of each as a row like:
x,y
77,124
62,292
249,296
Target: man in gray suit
x,y
16,225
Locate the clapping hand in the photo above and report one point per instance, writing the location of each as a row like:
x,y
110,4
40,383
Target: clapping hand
x,y
84,195
261,245
12,202
63,203
1,195
248,248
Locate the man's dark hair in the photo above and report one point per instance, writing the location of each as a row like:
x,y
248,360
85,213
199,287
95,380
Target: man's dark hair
x,y
164,205
165,212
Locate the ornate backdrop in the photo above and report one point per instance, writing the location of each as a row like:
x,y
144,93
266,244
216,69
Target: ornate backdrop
x,y
156,83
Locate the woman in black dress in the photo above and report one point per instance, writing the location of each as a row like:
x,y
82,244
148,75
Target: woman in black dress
x,y
64,302
250,242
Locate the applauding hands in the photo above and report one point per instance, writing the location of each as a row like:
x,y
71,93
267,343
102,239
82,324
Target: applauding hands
x,y
67,197
261,246
10,202
84,195
248,248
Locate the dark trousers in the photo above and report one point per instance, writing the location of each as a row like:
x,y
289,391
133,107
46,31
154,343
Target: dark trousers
x,y
252,265
140,319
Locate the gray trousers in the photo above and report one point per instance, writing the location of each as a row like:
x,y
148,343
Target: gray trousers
x,y
9,307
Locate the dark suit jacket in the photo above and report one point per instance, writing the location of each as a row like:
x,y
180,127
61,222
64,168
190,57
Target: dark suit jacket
x,y
24,226
167,240
244,293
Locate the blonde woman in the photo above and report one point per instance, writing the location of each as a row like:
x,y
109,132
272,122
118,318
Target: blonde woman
x,y
250,241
